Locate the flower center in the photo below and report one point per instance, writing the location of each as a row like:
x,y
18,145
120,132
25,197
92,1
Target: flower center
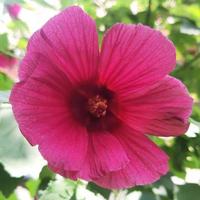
x,y
92,106
97,106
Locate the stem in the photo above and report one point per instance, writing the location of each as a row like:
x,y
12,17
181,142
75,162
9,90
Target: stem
x,y
148,16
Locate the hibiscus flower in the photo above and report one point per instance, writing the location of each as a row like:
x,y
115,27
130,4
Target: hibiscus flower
x,y
90,110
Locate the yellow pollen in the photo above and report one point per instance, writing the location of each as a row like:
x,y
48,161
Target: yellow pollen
x,y
97,106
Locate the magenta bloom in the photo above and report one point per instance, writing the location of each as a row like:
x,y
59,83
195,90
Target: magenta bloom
x,y
89,110
7,61
13,9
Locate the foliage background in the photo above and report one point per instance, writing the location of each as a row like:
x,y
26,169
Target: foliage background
x,y
23,174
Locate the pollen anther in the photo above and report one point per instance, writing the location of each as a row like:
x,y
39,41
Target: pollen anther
x,y
97,106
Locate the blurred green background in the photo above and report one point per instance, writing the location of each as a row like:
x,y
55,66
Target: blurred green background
x,y
23,174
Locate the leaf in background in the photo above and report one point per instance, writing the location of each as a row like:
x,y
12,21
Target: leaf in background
x,y
73,196
142,17
121,3
192,160
188,192
165,181
166,186
8,183
5,82
44,3
179,153
10,135
159,141
22,158
11,197
98,190
189,75
32,185
2,196
22,44
148,196
65,3
13,1
3,42
18,25
58,190
196,112
192,12
45,176
88,5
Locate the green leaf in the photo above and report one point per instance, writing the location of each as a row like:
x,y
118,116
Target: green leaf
x,y
2,196
191,12
3,42
97,189
11,197
5,82
165,181
45,176
179,153
8,183
10,134
18,25
46,173
32,186
148,196
188,192
189,75
22,44
73,196
193,155
17,155
157,140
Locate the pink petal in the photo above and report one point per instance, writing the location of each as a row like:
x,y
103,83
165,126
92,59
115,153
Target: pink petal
x,y
65,147
69,40
147,162
42,95
164,110
133,58
41,109
105,154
